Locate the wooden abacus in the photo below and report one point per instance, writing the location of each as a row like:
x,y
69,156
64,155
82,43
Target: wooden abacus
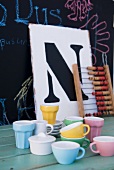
x,y
102,90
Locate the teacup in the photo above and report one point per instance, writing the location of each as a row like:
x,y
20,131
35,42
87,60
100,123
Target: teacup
x,y
104,145
84,142
72,119
75,130
66,152
41,126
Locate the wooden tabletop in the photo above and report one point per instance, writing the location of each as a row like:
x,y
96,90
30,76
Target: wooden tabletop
x,y
12,158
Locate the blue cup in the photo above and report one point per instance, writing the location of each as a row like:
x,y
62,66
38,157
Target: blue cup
x,y
66,152
23,130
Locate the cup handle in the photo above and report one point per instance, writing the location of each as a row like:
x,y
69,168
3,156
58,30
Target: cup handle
x,y
51,126
91,147
87,141
88,129
82,155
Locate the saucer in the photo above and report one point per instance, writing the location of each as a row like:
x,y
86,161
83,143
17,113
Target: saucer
x,y
58,123
55,127
56,133
58,127
54,130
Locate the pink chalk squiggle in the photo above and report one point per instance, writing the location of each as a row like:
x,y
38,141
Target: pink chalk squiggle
x,y
80,9
100,33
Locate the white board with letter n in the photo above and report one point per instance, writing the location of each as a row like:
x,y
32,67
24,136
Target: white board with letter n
x,y
53,52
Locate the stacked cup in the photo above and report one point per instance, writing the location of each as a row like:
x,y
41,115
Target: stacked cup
x,y
75,131
49,113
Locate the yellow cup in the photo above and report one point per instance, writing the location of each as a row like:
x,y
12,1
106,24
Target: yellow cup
x,y
49,113
75,130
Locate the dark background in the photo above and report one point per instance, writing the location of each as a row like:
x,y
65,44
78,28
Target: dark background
x,y
16,98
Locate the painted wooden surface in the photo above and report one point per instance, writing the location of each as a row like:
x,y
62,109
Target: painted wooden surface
x,y
12,158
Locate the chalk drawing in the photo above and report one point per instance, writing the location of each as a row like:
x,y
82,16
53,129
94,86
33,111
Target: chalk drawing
x,y
4,120
23,20
101,35
22,98
3,20
81,10
13,41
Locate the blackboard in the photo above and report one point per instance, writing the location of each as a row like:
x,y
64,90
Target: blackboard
x,y
16,93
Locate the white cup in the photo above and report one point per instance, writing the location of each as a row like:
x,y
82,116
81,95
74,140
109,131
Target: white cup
x,y
41,126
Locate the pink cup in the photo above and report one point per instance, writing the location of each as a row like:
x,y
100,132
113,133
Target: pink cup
x,y
104,145
96,124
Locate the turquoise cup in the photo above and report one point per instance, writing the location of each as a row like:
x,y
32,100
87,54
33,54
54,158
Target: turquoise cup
x,y
67,152
23,130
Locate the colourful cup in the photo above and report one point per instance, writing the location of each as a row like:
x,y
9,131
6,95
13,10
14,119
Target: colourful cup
x,y
84,142
49,113
96,124
41,126
23,130
75,130
66,152
104,145
72,119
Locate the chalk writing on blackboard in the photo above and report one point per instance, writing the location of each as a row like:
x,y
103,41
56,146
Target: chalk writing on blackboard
x,y
81,10
11,42
4,116
14,19
99,28
21,98
55,13
3,20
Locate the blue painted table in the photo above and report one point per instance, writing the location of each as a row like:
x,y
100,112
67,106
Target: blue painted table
x,y
12,158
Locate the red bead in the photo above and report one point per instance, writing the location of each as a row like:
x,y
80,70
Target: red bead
x,y
96,114
93,114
